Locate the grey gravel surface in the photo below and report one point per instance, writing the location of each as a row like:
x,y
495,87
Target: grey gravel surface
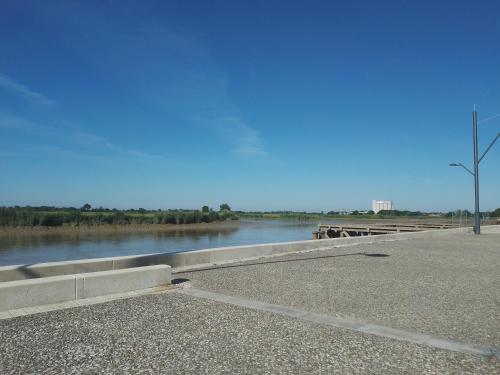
x,y
446,286
178,334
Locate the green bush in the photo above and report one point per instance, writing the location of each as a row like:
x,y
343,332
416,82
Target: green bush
x,y
496,213
51,220
52,216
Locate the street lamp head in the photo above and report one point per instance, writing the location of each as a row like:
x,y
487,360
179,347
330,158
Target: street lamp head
x,y
454,165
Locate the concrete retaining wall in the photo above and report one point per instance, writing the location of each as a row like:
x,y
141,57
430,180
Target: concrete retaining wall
x,y
32,271
49,290
200,257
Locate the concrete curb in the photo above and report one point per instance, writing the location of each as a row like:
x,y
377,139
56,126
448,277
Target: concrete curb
x,y
48,290
202,257
490,229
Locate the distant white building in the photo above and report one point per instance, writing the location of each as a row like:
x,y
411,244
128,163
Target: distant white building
x,y
382,205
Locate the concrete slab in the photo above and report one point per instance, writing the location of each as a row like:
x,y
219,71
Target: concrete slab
x,y
50,290
178,334
447,286
109,282
333,321
25,293
23,272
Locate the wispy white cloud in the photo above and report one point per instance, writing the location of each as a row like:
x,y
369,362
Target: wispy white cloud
x,y
95,140
244,139
14,123
88,144
489,118
25,92
176,69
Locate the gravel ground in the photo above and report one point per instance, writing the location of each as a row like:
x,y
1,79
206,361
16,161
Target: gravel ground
x,y
447,286
174,333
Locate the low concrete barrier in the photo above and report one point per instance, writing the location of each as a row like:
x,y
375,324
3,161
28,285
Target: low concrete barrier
x,y
49,290
201,257
117,281
35,292
33,271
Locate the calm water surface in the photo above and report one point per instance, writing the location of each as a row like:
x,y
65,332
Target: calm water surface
x,y
28,249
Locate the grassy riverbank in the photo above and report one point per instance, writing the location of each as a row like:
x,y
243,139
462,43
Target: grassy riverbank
x,y
33,220
31,217
105,229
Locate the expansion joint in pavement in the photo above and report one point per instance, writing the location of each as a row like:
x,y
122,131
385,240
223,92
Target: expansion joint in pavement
x,y
372,329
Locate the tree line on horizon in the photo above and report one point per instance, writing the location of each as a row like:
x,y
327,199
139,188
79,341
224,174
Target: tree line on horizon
x,y
495,213
50,216
57,216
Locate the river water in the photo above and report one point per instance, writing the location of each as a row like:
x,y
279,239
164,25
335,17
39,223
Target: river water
x,y
29,249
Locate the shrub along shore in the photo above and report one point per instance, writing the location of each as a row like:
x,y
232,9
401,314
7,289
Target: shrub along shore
x,y
23,219
85,216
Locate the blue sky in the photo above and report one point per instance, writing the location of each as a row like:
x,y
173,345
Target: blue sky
x,y
318,105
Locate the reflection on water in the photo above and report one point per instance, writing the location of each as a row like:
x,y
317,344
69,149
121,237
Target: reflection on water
x,y
28,249
76,239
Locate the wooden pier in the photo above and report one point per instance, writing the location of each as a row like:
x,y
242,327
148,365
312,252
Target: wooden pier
x,y
355,230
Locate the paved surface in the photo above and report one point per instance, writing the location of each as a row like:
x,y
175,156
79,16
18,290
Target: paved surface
x,y
447,287
173,333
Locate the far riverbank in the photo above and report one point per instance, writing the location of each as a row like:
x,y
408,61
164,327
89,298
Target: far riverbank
x,y
117,228
68,229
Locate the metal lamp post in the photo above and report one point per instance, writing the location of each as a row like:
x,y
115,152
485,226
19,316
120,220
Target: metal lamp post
x,y
477,217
